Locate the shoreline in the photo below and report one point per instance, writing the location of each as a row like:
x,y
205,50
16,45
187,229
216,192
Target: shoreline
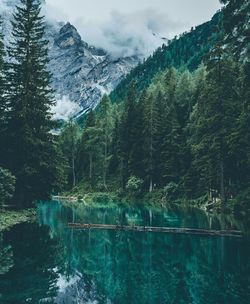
x,y
153,199
9,219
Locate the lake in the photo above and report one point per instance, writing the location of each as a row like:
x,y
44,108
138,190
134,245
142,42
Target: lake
x,y
47,262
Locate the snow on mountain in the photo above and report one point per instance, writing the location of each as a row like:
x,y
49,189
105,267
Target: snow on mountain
x,y
82,74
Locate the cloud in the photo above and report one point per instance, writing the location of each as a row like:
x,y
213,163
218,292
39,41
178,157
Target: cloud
x,y
137,33
53,13
64,108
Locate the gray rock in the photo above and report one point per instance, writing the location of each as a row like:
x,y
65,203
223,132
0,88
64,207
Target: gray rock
x,y
82,73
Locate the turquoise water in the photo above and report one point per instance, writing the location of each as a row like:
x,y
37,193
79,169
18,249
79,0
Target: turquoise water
x,y
47,262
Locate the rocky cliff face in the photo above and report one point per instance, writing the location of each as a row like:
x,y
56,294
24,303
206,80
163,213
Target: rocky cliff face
x,y
81,73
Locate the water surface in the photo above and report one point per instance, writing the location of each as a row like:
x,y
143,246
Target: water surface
x,y
50,263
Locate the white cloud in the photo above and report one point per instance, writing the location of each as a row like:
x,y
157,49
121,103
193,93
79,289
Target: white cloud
x,y
124,27
130,33
64,108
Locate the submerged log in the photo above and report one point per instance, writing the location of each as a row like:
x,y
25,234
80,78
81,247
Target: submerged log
x,y
65,198
204,232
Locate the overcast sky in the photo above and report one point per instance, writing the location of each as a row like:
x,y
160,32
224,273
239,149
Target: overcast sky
x,y
123,26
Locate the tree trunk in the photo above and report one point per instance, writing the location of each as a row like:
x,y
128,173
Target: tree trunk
x,y
222,182
122,174
105,166
151,185
73,170
151,149
91,168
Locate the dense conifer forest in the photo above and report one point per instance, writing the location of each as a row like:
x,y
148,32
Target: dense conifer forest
x,y
143,199
178,124
28,150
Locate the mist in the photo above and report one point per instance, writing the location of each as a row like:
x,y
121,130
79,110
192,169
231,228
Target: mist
x,y
132,27
138,33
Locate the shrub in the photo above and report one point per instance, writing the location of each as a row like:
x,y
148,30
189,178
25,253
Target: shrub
x,y
242,201
7,186
171,191
134,184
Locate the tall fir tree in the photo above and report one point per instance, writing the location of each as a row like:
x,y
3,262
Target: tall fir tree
x,y
239,139
128,135
69,146
91,149
3,103
137,151
171,151
31,147
192,181
150,143
217,116
105,124
114,165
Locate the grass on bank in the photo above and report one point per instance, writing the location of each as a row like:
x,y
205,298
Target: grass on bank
x,y
170,195
9,219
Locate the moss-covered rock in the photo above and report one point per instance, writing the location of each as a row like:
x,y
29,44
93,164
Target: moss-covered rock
x,y
11,218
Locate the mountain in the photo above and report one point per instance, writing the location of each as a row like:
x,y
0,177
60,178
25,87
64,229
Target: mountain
x,y
230,27
81,73
186,51
237,27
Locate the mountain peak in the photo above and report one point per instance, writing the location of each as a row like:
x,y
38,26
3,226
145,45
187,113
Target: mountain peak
x,y
81,73
68,36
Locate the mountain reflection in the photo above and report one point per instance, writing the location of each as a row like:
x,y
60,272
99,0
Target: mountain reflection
x,y
87,266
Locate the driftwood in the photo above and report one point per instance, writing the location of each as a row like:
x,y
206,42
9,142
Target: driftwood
x,y
201,232
65,198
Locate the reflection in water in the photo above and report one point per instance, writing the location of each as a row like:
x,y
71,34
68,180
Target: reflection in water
x,y
54,264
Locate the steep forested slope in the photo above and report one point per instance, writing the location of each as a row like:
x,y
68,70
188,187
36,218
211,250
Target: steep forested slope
x,y
183,126
230,26
186,51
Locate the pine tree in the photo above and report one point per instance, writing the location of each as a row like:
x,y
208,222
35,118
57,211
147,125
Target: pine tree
x,y
160,111
239,139
3,104
105,124
150,143
172,147
217,115
32,152
192,181
184,97
69,145
114,165
91,148
128,135
171,154
138,141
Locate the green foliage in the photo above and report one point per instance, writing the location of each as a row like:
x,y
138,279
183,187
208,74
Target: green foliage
x,y
69,141
187,51
242,201
188,130
171,191
6,258
10,218
28,147
3,104
186,127
105,123
101,198
7,186
236,25
134,184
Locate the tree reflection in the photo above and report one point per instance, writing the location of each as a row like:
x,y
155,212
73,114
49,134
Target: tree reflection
x,y
130,267
31,260
6,257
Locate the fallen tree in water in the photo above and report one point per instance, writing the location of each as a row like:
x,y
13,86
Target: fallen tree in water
x,y
201,232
